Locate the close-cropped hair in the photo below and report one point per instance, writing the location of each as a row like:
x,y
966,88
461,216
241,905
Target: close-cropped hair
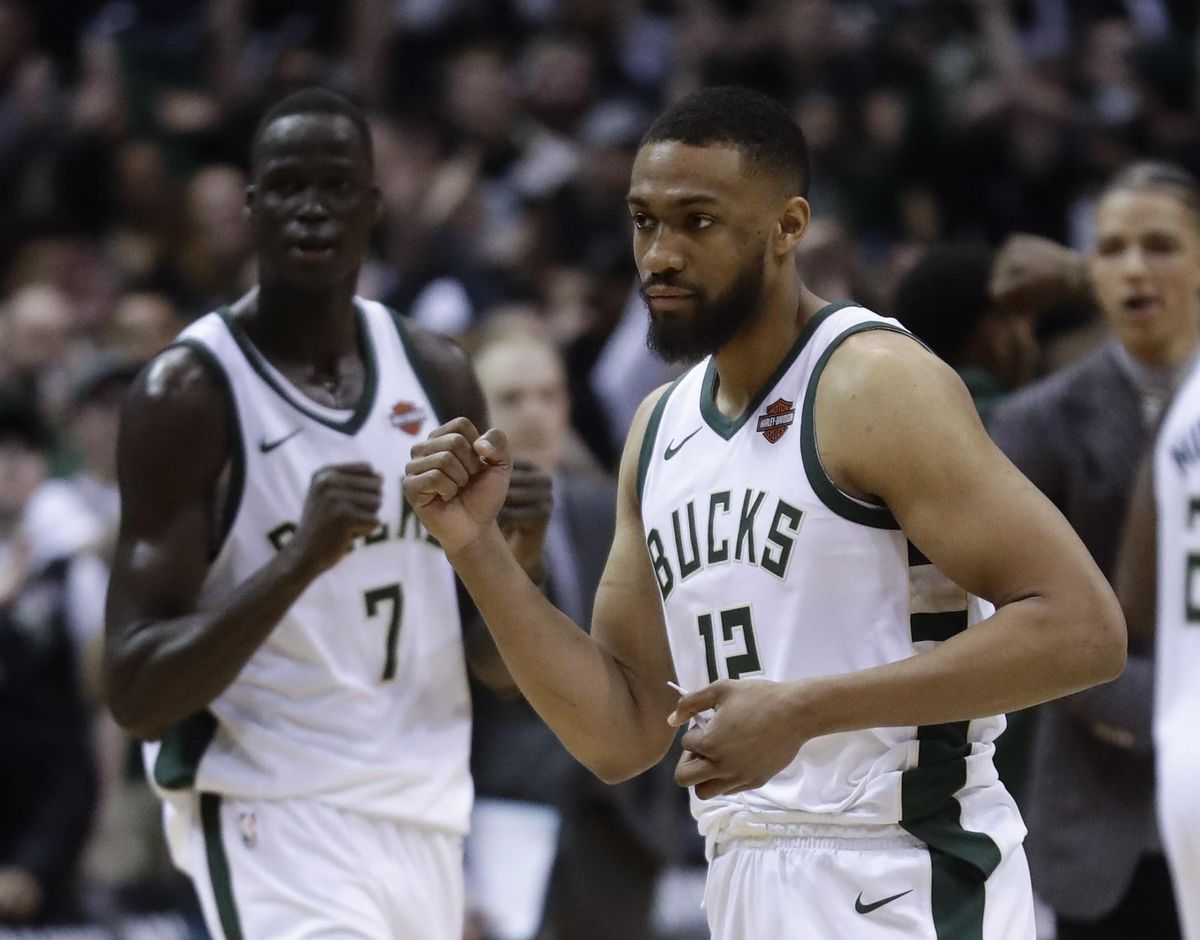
x,y
315,100
1158,176
762,129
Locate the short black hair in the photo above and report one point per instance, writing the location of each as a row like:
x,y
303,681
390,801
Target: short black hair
x,y
314,100
1158,176
944,298
756,124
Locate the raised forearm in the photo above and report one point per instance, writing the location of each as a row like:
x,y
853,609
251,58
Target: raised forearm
x,y
1023,655
170,668
586,697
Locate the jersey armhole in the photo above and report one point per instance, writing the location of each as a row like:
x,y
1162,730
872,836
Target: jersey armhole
x,y
423,370
228,509
646,454
835,499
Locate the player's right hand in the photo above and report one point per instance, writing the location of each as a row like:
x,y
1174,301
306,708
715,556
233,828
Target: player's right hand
x,y
457,480
342,505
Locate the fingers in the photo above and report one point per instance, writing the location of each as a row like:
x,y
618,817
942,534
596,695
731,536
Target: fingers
x,y
493,447
693,703
455,438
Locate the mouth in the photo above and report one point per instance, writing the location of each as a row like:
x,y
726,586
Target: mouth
x,y
312,250
1141,306
667,298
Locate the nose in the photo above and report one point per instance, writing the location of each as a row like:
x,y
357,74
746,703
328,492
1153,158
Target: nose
x,y
312,206
662,254
1133,262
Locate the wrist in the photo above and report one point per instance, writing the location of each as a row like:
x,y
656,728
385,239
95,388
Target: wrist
x,y
819,707
295,569
485,545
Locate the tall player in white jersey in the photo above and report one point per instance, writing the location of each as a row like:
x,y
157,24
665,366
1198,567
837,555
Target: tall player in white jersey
x,y
803,519
1157,255
280,626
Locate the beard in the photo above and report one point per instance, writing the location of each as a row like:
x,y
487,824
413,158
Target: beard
x,y
714,323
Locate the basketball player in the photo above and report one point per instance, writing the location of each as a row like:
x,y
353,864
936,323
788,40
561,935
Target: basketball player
x,y
280,626
808,521
1156,258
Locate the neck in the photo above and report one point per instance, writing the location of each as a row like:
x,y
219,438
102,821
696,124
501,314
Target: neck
x,y
303,325
746,362
1169,355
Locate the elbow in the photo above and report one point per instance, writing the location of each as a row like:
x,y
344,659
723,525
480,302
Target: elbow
x,y
1103,646
134,721
618,764
128,709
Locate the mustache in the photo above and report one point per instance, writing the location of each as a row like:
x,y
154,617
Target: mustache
x,y
667,280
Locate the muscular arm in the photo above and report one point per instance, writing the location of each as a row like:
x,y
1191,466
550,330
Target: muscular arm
x,y
163,660
906,432
604,694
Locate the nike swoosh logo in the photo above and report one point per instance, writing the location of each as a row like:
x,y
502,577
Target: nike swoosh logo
x,y
266,447
673,448
867,908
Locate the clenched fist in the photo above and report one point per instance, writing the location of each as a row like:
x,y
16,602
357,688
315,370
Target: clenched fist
x,y
342,504
457,480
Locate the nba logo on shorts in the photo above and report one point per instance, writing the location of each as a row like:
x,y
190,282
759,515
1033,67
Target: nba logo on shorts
x,y
774,422
248,827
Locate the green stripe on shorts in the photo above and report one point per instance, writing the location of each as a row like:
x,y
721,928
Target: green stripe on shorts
x,y
218,866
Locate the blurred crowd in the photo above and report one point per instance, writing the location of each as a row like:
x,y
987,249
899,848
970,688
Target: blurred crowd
x,y
504,134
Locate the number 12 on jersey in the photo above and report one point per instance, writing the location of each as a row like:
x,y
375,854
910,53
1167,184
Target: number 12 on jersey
x,y
735,621
372,599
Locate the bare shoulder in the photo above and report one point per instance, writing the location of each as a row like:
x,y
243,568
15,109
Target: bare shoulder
x,y
632,465
174,423
881,401
446,371
877,367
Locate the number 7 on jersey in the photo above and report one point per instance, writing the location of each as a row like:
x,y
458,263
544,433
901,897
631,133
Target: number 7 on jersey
x,y
394,594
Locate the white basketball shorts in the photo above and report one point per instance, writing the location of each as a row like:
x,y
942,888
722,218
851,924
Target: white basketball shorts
x,y
860,883
302,870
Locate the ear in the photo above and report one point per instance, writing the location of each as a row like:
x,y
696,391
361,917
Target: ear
x,y
792,224
250,195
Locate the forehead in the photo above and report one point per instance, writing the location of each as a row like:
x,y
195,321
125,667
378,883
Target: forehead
x,y
510,366
300,137
667,171
1136,210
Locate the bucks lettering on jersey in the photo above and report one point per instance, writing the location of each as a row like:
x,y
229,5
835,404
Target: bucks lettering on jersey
x,y
766,569
359,696
1177,493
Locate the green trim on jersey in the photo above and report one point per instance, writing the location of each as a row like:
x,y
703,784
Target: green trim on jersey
x,y
443,410
237,452
218,866
366,401
938,627
727,427
962,860
181,749
878,517
646,454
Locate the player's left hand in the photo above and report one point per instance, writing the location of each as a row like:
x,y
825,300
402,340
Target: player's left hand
x,y
525,515
754,732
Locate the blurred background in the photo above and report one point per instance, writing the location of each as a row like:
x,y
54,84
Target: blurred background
x,y
504,134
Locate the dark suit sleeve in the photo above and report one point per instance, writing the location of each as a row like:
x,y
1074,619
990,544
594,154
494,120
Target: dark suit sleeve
x,y
1120,712
1021,428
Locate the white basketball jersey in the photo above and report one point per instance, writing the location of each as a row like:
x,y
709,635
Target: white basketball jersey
x,y
358,697
766,569
1177,494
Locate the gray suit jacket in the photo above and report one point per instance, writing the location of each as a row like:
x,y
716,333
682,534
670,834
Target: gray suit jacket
x,y
1080,435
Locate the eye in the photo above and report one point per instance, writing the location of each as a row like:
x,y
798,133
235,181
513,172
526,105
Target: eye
x,y
1107,247
1160,243
699,222
641,221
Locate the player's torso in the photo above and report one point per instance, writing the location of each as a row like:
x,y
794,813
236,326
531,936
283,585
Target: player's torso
x,y
1177,496
358,696
766,569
